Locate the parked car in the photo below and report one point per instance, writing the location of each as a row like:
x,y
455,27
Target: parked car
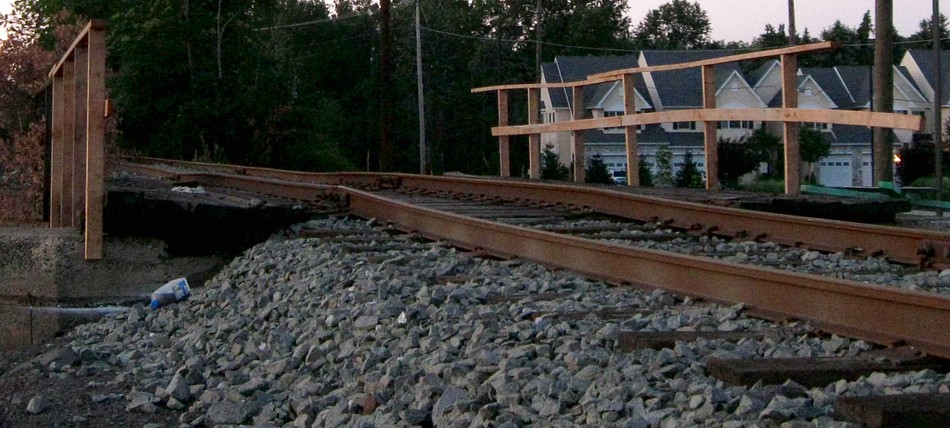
x,y
619,176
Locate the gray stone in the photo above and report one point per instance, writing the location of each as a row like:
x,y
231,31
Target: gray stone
x,y
178,388
36,405
749,406
450,396
366,322
227,412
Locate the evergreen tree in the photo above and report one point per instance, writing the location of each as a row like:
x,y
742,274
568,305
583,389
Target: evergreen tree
x,y
678,24
664,168
689,175
646,175
596,171
736,159
551,168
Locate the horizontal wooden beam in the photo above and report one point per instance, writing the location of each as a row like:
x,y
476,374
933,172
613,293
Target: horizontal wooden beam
x,y
81,40
614,75
838,117
820,46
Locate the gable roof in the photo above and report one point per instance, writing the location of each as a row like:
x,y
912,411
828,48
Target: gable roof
x,y
754,77
577,68
827,78
925,61
683,88
857,79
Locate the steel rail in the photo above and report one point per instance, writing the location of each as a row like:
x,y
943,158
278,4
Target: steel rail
x,y
879,314
875,313
902,245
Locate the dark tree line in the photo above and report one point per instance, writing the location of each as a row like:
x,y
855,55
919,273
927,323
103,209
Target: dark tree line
x,y
295,83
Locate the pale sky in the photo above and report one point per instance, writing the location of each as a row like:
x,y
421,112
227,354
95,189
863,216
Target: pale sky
x,y
734,20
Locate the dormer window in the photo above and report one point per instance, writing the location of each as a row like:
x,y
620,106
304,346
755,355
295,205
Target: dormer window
x,y
809,92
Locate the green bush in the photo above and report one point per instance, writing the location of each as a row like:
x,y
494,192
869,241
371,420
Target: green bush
x,y
771,185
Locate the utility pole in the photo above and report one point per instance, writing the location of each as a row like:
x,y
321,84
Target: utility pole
x,y
386,151
938,102
883,85
424,166
792,35
537,44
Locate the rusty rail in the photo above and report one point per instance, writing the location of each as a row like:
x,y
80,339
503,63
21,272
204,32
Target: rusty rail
x,y
875,313
909,246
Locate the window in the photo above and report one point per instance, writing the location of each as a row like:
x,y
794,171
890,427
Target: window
x,y
816,126
684,126
613,114
736,124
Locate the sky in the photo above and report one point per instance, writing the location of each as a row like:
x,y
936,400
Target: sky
x,y
735,20
742,20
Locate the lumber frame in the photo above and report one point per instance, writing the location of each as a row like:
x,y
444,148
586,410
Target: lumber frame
x,y
789,114
577,136
77,170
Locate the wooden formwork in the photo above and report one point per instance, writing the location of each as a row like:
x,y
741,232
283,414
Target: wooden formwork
x,y
77,153
790,115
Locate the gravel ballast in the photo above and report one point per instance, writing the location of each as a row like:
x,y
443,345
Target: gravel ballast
x,y
307,332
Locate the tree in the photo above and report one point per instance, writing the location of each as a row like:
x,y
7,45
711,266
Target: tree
x,y
924,35
738,158
771,38
664,167
812,145
689,175
678,24
551,168
596,171
646,175
770,148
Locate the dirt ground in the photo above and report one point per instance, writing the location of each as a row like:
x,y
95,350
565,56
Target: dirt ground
x,y
71,397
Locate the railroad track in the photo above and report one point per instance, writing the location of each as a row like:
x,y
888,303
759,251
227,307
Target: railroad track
x,y
659,244
835,305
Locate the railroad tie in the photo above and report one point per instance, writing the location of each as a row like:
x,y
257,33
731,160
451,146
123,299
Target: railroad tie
x,y
816,372
919,410
634,340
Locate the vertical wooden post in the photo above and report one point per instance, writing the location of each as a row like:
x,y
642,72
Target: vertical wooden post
x,y
69,134
577,137
504,142
79,138
793,158
709,129
95,150
56,155
534,140
633,152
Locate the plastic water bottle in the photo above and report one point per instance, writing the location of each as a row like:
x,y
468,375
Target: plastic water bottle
x,y
175,290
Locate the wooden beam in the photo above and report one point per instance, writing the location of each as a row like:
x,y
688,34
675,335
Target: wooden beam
x,y
69,135
709,128
504,141
95,151
841,117
79,138
534,139
615,75
81,40
577,136
56,155
820,46
793,158
630,132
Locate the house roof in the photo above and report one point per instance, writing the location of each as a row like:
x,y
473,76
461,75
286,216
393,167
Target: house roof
x,y
652,134
850,134
686,139
827,78
755,76
925,60
577,68
776,101
857,79
683,88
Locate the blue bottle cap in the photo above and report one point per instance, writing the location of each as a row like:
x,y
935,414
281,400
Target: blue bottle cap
x,y
155,304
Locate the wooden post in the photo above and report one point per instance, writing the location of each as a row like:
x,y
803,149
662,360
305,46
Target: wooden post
x,y
793,158
577,137
710,137
79,137
69,134
534,140
504,142
633,152
883,87
56,155
95,151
